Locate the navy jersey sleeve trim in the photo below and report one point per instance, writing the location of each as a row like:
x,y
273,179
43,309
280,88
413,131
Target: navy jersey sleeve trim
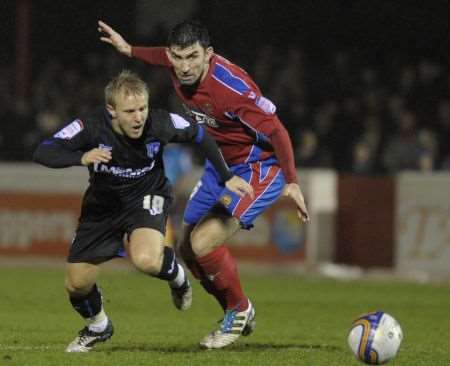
x,y
200,134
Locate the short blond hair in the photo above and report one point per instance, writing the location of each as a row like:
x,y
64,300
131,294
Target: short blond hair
x,y
127,82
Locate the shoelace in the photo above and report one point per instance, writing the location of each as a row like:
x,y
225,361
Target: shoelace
x,y
228,320
85,333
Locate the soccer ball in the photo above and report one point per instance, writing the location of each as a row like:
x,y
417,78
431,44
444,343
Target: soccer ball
x,y
375,338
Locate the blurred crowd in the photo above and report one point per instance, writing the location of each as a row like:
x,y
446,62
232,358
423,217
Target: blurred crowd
x,y
345,112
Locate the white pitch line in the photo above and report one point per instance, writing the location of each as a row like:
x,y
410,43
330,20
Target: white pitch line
x,y
5,347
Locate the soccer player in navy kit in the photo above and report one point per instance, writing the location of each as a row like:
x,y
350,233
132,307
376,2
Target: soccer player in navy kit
x,y
222,97
128,195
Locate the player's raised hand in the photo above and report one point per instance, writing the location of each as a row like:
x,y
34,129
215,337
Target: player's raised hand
x,y
239,186
113,38
293,191
96,156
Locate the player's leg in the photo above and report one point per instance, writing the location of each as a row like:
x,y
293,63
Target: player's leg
x,y
268,182
204,196
215,260
184,251
94,243
221,271
149,254
85,297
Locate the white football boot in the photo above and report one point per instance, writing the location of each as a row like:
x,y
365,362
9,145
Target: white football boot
x,y
86,339
182,296
233,325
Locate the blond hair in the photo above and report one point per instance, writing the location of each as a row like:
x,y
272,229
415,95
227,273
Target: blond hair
x,y
128,83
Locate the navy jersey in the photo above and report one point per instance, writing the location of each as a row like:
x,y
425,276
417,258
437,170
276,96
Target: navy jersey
x,y
136,168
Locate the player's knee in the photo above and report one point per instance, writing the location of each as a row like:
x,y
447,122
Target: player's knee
x,y
147,263
78,286
201,242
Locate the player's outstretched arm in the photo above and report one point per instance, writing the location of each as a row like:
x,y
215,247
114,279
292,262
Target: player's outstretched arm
x,y
293,191
109,35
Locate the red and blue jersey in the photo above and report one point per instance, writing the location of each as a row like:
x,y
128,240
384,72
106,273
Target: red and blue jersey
x,y
242,121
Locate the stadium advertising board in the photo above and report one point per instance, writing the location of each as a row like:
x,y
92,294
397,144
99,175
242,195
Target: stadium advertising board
x,y
39,211
423,224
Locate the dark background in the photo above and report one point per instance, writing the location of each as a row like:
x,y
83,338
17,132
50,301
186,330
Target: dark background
x,y
374,28
385,36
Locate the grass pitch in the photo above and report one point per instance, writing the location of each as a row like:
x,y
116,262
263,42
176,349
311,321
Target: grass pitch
x,y
300,321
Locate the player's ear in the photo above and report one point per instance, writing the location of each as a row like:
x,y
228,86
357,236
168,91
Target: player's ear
x,y
168,54
111,110
209,51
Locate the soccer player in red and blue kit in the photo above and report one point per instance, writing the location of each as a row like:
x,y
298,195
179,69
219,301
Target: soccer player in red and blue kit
x,y
254,143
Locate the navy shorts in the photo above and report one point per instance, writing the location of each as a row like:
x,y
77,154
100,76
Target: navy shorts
x,y
100,236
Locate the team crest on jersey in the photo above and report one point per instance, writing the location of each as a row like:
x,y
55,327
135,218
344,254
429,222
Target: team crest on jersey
x,y
208,108
225,200
153,149
70,131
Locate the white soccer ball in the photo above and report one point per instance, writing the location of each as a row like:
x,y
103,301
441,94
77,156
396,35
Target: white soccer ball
x,y
375,338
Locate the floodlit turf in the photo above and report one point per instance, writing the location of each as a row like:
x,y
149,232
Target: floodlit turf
x,y
299,321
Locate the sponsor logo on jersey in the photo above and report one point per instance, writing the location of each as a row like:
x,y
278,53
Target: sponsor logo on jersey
x,y
204,119
179,122
153,149
70,131
265,104
105,147
201,118
123,172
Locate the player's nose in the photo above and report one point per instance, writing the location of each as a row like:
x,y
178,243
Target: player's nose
x,y
185,66
139,117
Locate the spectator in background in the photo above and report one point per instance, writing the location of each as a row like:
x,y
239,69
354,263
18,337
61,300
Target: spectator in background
x,y
428,150
308,153
47,121
363,158
402,149
443,132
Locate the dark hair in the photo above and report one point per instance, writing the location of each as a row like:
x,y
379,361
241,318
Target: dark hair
x,y
187,33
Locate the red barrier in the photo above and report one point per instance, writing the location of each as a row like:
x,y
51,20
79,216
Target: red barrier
x,y
365,221
44,224
37,223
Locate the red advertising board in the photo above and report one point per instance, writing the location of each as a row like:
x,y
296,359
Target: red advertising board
x,y
37,223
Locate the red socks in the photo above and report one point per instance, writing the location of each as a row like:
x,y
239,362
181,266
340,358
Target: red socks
x,y
221,279
199,274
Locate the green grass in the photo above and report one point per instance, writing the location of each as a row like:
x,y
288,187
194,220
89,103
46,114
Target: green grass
x,y
301,321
